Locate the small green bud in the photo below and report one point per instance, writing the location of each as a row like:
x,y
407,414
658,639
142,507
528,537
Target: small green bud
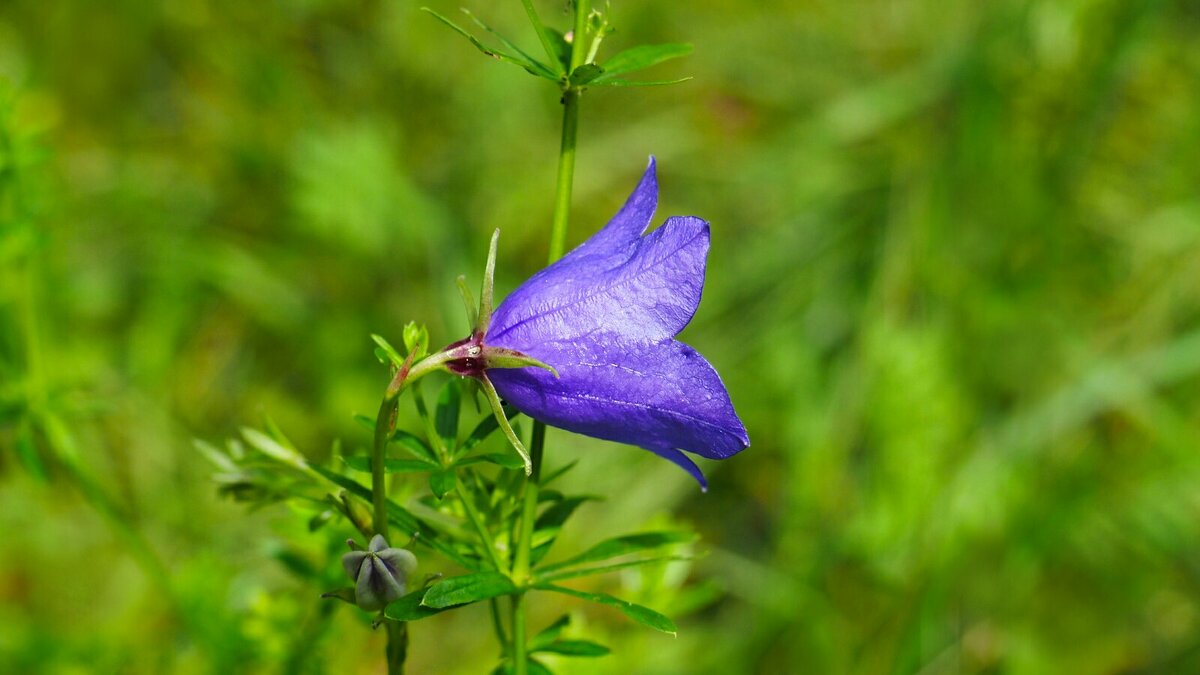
x,y
380,573
416,336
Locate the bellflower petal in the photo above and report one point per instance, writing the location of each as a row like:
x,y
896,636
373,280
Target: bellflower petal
x,y
644,288
605,317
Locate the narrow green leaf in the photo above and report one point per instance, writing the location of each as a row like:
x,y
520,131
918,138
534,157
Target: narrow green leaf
x,y
534,68
409,608
562,48
486,427
636,83
611,548
550,633
394,356
549,523
218,458
643,615
441,482
575,573
468,588
415,445
273,449
642,57
550,477
468,302
543,70
556,515
363,463
488,286
584,74
583,648
502,459
401,518
446,415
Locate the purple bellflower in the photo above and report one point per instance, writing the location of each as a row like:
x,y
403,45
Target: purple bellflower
x,y
600,324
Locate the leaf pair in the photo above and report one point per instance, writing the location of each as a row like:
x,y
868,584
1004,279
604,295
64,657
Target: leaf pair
x,y
485,585
471,588
558,70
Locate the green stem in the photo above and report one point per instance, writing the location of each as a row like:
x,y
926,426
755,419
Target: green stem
x,y
397,646
558,242
383,430
497,624
520,572
583,9
485,537
397,631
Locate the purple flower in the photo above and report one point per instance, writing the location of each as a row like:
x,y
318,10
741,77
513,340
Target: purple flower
x,y
605,318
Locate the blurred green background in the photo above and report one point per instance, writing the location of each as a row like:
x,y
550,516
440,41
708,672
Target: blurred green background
x,y
954,291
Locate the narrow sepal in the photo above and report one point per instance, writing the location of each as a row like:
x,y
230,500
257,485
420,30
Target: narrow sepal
x,y
502,419
498,357
484,318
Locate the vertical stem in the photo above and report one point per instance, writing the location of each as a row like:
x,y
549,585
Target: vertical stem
x,y
566,174
397,631
583,9
397,646
383,430
524,544
558,241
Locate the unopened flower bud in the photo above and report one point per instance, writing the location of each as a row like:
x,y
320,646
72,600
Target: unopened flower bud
x,y
380,573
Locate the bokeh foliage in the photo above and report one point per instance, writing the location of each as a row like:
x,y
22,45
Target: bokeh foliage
x,y
953,292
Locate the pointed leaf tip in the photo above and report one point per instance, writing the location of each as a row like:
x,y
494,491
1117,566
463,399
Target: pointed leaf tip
x,y
468,302
502,419
484,318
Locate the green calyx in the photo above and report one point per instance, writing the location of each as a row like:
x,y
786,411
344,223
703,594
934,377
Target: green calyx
x,y
469,357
